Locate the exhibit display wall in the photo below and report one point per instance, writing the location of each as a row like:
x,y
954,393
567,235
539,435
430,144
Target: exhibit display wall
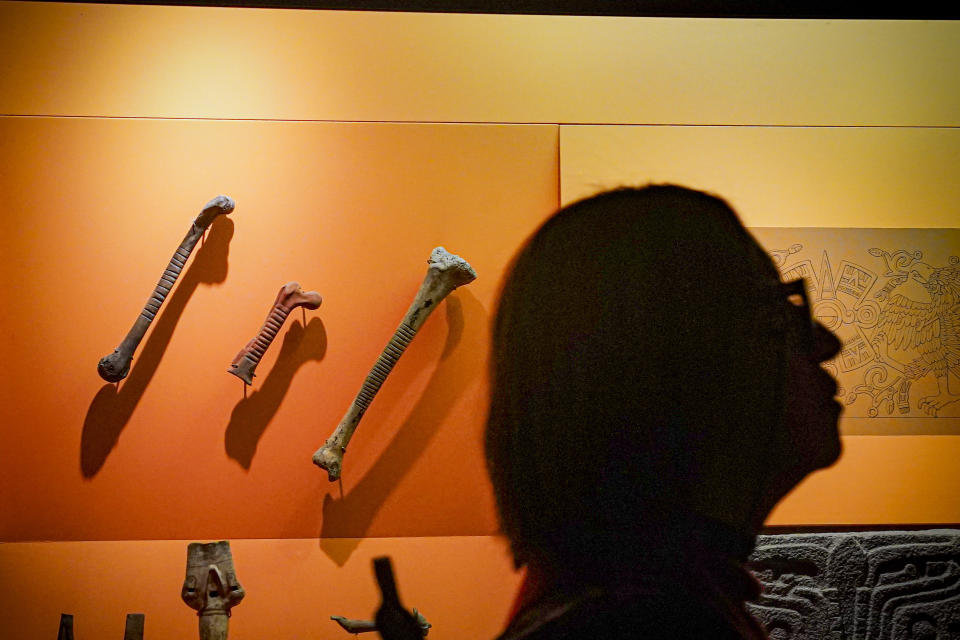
x,y
353,144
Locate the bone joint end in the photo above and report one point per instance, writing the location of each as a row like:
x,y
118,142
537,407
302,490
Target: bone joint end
x,y
114,367
329,459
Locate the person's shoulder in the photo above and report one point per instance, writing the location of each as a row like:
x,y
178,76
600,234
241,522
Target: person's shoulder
x,y
608,616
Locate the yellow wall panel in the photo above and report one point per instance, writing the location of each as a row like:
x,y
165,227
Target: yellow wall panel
x,y
463,585
780,176
206,62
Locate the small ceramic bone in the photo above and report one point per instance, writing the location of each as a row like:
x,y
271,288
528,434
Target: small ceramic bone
x,y
445,272
116,366
211,587
290,297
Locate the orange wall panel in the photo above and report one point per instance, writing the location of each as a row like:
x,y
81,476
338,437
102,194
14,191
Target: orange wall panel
x,y
92,211
463,585
880,480
210,62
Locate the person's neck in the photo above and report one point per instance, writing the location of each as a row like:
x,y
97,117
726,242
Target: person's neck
x,y
695,544
699,560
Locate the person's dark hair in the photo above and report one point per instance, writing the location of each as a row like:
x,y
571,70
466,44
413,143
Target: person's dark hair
x,y
627,345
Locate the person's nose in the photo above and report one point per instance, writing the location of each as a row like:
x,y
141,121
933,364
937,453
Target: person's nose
x,y
825,344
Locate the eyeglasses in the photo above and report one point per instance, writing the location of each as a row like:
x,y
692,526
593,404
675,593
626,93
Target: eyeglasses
x,y
795,293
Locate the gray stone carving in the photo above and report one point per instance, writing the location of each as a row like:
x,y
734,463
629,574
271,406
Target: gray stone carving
x,y
876,585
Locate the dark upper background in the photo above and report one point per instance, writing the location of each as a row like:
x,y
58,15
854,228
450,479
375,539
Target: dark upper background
x,y
923,9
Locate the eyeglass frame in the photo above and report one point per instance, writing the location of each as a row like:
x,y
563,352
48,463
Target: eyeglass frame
x,y
795,293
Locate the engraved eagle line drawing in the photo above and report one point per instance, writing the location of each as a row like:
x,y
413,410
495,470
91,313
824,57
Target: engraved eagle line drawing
x,y
914,318
931,327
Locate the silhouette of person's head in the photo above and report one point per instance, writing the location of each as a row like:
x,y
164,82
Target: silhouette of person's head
x,y
650,372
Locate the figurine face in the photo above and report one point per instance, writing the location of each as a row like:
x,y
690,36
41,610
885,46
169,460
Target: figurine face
x,y
210,585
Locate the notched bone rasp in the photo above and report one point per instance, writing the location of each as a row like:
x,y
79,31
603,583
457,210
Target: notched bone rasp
x,y
290,297
116,366
445,272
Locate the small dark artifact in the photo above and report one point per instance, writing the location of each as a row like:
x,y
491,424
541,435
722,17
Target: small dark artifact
x,y
290,297
211,587
363,626
445,272
66,627
116,366
392,620
134,627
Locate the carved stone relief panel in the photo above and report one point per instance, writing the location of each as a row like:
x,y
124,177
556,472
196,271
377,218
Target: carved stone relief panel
x,y
877,585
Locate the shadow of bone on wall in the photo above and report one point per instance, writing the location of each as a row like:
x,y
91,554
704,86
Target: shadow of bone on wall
x,y
114,405
461,361
251,415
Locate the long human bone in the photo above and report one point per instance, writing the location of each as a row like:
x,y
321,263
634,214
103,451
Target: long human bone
x,y
210,586
445,272
116,366
290,297
364,626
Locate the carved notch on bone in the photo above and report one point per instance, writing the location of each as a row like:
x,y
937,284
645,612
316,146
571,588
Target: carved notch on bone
x,y
445,272
116,366
289,298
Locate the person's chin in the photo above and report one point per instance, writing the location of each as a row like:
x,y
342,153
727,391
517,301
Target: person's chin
x,y
832,444
831,453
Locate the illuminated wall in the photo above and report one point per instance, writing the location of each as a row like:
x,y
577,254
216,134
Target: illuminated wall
x,y
353,143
